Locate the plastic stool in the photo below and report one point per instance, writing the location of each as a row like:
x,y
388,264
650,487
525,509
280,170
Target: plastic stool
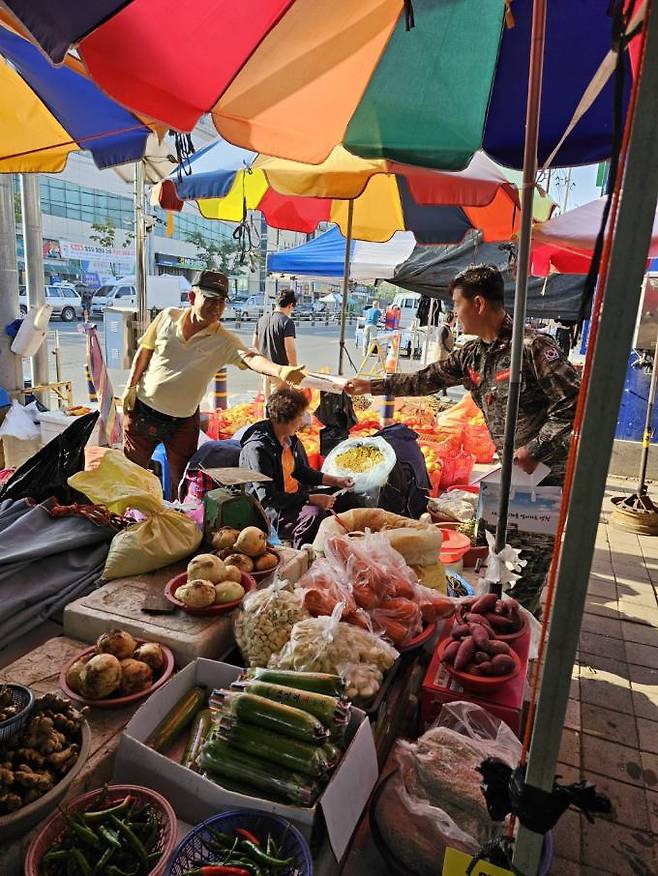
x,y
160,467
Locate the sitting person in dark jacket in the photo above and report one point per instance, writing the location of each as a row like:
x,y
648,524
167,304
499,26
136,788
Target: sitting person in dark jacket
x,y
291,500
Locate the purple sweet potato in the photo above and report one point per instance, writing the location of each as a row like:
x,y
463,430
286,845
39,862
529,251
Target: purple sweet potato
x,y
502,664
480,636
495,647
472,669
485,603
500,622
451,652
481,657
466,653
486,668
460,630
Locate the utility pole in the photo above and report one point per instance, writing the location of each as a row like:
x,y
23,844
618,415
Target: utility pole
x,y
11,365
33,246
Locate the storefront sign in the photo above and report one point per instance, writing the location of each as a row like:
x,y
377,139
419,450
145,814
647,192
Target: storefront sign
x,y
179,261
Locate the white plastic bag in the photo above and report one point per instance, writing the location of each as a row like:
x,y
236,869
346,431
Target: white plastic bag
x,y
434,800
20,424
367,480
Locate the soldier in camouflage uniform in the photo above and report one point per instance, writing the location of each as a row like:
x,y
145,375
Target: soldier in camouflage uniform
x,y
549,390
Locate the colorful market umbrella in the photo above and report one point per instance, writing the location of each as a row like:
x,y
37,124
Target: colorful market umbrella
x,y
297,77
47,112
437,206
566,243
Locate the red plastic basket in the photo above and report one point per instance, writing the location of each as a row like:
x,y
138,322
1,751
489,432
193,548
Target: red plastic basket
x,y
54,828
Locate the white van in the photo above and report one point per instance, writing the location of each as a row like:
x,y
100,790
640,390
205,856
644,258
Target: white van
x,y
162,291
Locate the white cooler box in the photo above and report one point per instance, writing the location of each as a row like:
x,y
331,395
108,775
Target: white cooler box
x,y
53,423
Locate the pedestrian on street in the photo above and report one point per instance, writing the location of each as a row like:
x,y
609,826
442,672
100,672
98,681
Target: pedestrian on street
x,y
549,389
274,336
446,340
178,355
372,316
564,335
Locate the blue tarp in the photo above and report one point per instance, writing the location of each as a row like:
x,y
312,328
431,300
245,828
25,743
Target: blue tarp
x,y
324,256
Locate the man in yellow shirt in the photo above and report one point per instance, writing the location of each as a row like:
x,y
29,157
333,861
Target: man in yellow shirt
x,y
178,355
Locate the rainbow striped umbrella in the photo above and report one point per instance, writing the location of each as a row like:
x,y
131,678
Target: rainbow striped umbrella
x,y
438,206
47,112
295,78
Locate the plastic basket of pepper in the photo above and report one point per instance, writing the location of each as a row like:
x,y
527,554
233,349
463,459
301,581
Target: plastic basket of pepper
x,y
118,829
243,842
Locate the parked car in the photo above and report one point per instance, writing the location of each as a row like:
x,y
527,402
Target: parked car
x,y
64,300
164,290
252,308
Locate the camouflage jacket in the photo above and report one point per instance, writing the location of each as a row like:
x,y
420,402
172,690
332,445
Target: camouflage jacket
x,y
549,391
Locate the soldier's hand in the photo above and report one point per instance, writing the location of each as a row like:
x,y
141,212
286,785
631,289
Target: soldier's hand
x,y
357,386
525,460
292,374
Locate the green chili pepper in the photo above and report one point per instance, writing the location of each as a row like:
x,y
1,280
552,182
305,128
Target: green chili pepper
x,y
82,862
100,815
55,855
110,836
81,831
105,859
134,841
260,857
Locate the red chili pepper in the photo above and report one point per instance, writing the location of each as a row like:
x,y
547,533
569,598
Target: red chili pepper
x,y
218,870
247,835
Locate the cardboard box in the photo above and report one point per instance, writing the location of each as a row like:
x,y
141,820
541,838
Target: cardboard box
x,y
195,798
532,508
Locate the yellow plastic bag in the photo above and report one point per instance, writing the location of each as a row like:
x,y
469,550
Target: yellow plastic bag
x,y
165,537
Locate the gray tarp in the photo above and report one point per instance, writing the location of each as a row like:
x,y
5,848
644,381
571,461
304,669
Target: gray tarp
x,y
429,270
45,563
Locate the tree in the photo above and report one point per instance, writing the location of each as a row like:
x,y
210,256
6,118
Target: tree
x,y
222,256
104,233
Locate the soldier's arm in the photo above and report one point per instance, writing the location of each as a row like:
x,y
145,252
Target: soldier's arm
x,y
560,384
449,372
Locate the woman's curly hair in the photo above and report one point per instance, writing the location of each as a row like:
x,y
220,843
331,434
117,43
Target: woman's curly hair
x,y
286,404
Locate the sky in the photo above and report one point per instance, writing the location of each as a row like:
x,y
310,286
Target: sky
x,y
583,186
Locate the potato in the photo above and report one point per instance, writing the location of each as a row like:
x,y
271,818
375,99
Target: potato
x,y
196,594
228,591
252,541
116,642
135,676
206,567
244,563
100,677
73,674
268,561
233,574
152,654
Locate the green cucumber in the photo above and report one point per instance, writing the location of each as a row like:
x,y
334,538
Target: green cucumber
x,y
177,719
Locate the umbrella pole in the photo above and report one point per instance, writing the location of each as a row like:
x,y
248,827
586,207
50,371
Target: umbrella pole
x,y
346,284
632,236
140,246
648,426
521,290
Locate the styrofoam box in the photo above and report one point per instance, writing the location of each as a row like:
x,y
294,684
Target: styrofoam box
x,y
195,798
53,423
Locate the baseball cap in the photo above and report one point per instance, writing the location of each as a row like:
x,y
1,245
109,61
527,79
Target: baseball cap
x,y
213,284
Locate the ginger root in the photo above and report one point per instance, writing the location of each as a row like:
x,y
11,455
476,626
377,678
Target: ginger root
x,y
60,759
10,802
28,778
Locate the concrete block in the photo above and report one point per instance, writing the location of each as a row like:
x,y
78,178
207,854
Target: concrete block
x,y
625,460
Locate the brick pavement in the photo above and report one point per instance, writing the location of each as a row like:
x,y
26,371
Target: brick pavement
x,y
611,728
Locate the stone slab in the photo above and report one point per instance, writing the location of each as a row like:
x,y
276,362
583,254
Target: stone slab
x,y
119,604
40,670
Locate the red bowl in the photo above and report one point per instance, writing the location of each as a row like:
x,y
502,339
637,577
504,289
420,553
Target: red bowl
x,y
420,639
512,637
54,828
248,583
116,702
479,683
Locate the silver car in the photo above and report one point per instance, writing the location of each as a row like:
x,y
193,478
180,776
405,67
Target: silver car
x,y
64,300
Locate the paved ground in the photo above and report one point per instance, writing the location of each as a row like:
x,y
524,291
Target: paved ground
x,y
611,730
317,348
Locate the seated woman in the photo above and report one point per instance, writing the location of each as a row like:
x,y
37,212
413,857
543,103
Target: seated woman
x,y
272,448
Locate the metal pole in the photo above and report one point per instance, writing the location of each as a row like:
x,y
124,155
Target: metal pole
x,y
525,234
58,366
140,247
36,281
648,425
346,284
11,365
622,298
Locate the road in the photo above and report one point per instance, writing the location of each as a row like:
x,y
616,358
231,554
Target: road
x,y
317,348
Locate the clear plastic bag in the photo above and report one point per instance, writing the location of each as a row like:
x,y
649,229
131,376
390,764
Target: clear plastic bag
x,y
265,622
364,481
163,537
434,801
323,588
322,644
